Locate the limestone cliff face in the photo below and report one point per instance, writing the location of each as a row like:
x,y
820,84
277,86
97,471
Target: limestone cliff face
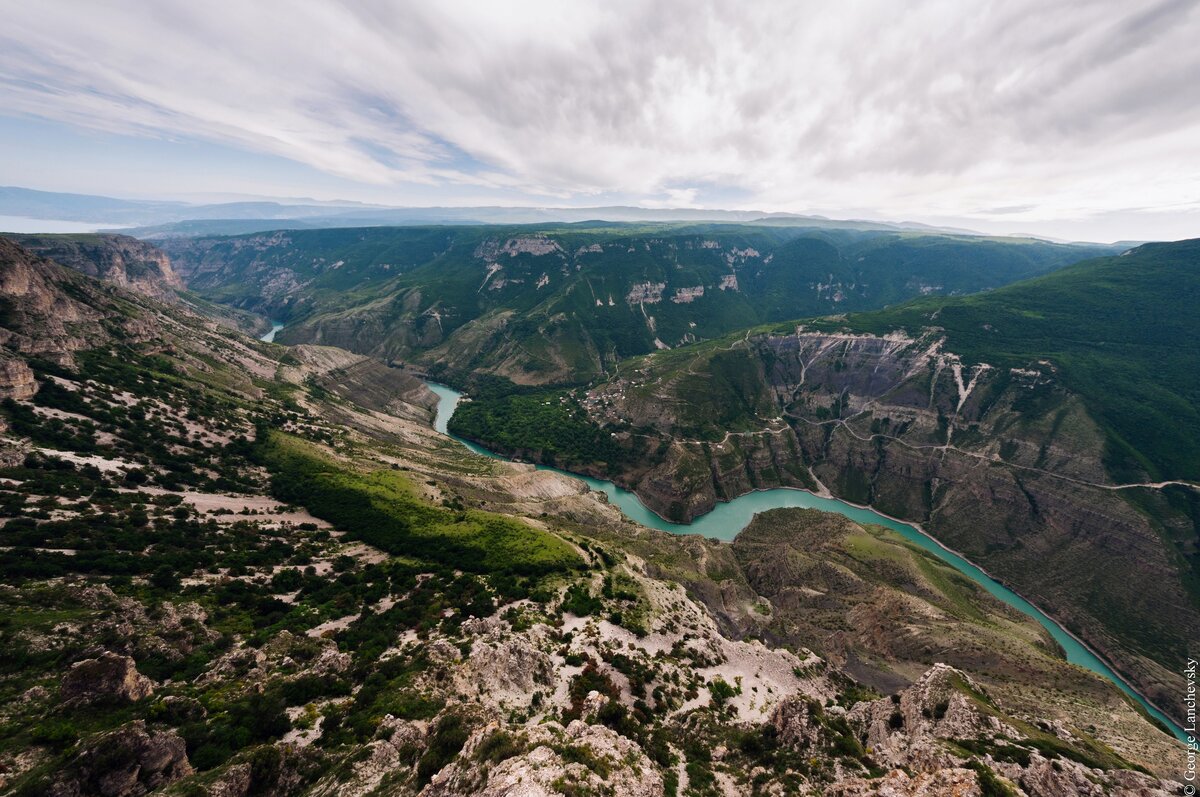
x,y
1004,465
206,262
51,312
119,259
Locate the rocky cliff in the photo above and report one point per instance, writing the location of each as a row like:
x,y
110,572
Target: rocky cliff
x,y
51,312
16,378
117,259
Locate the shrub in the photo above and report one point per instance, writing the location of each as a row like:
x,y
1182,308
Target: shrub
x,y
449,735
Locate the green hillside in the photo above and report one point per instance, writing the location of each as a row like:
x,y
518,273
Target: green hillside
x,y
563,303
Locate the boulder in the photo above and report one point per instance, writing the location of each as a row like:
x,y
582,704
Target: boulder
x,y
795,722
108,679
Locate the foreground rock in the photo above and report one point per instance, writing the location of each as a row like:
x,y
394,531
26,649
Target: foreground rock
x,y
943,735
578,759
128,762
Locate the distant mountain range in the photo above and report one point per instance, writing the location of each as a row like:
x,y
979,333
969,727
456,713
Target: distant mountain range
x,y
563,303
166,219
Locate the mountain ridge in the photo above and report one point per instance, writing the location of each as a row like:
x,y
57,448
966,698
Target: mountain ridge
x,y
563,303
170,218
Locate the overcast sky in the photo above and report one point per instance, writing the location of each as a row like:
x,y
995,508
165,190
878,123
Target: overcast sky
x,y
1078,119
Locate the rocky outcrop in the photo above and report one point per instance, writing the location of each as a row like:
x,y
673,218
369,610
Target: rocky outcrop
x,y
509,670
618,766
107,679
167,632
235,781
1051,778
16,379
286,653
128,762
920,734
390,754
795,722
119,259
898,783
943,704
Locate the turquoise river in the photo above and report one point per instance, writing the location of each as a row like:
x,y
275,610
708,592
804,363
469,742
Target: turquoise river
x,y
727,519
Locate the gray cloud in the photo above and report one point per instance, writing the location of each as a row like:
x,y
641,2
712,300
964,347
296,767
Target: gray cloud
x,y
1017,109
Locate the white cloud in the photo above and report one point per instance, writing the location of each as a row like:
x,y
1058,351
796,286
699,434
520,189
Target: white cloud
x,y
1020,110
674,198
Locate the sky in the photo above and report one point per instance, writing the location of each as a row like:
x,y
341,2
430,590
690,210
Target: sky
x,y
1075,119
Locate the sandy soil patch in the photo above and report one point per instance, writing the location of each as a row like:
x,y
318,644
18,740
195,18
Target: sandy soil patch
x,y
66,384
274,511
106,465
364,553
269,510
63,551
54,412
333,626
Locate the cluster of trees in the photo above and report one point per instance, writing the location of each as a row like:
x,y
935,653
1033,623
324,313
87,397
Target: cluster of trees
x,y
381,509
549,426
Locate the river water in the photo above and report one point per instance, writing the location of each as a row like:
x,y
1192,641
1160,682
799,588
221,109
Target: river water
x,y
270,336
727,519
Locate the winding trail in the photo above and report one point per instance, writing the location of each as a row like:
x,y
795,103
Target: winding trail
x,y
989,458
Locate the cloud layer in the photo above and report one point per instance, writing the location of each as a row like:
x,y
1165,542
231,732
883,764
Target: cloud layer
x,y
1015,110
